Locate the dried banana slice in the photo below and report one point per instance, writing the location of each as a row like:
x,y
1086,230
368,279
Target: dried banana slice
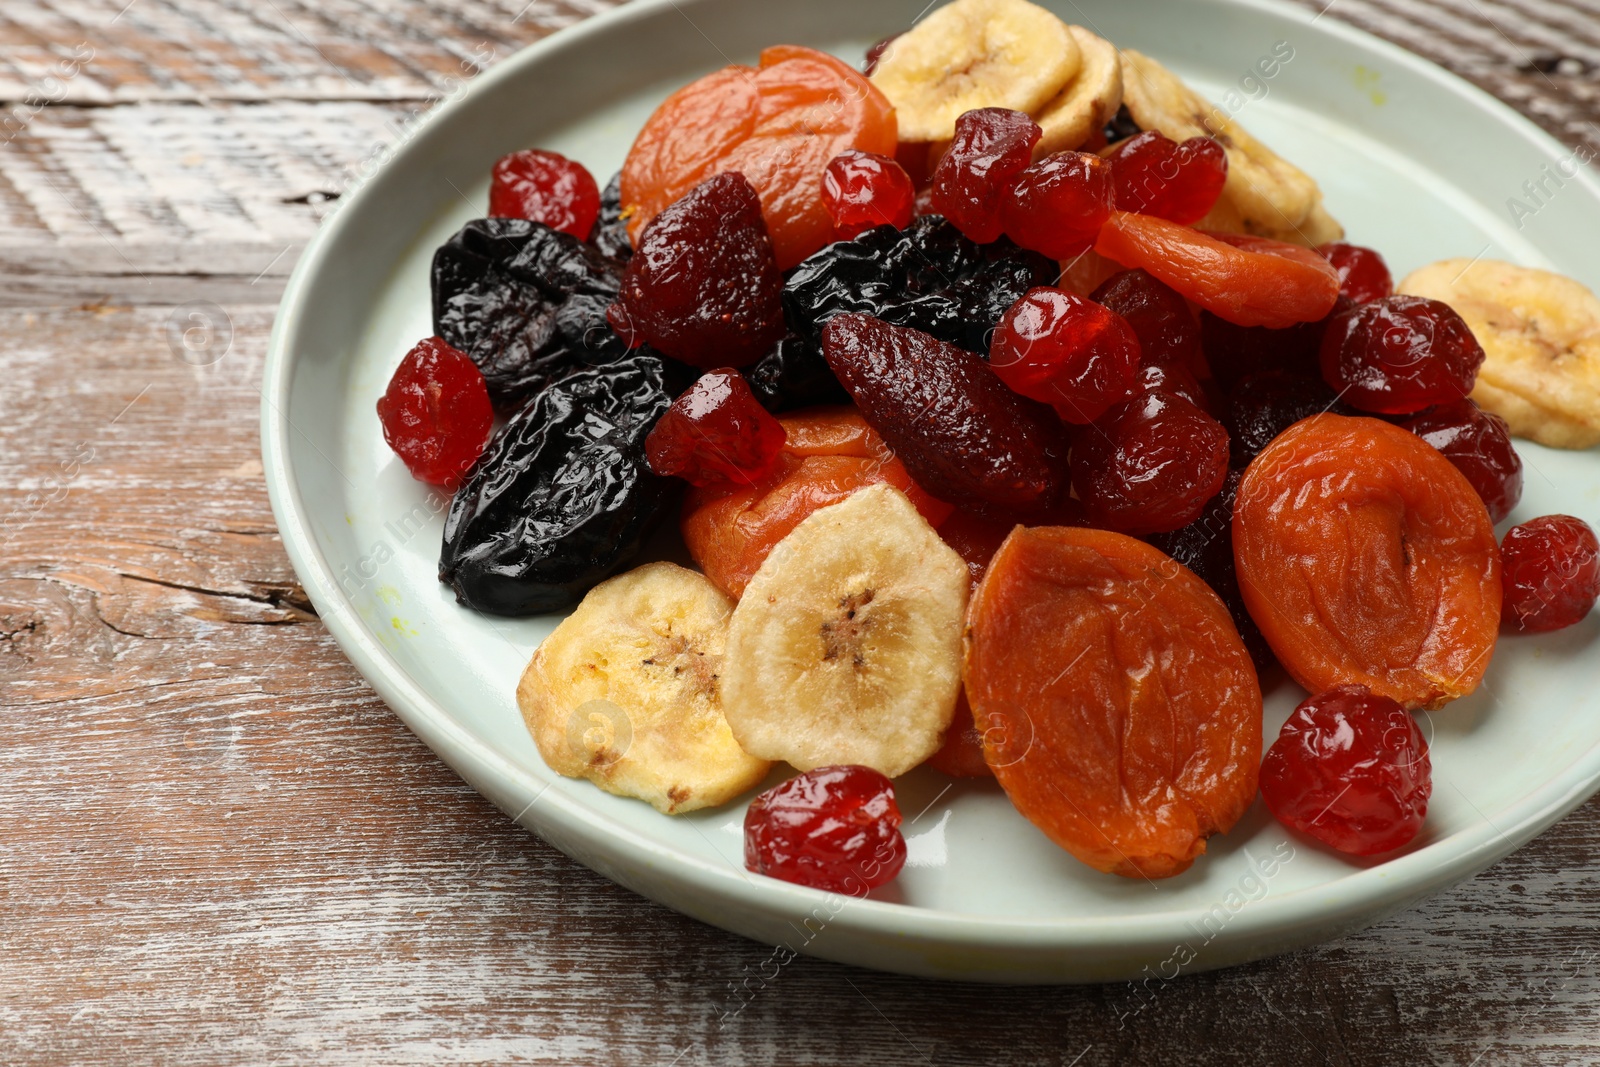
x,y
972,54
1266,195
846,647
1540,334
1088,102
626,692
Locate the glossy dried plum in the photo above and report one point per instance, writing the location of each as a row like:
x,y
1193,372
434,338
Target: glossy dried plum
x,y
927,276
610,231
563,496
526,302
1234,352
1264,405
794,375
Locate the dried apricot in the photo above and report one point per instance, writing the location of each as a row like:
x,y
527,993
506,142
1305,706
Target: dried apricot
x,y
778,125
1121,712
1367,558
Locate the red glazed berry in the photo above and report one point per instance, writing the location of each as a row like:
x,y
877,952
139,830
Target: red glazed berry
x,y
862,190
833,828
1171,378
1149,465
1479,444
1363,275
1400,354
1155,175
1351,769
1550,573
991,147
547,188
1057,206
1066,351
436,413
703,285
1160,318
716,434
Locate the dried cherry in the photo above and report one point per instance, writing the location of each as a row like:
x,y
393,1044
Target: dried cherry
x,y
545,187
436,413
1552,573
991,147
1158,316
862,190
1363,275
1066,351
1172,378
1149,464
716,433
833,828
1155,175
1057,205
1478,442
1400,354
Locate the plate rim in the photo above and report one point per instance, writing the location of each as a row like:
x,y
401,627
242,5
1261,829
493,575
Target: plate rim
x,y
1361,895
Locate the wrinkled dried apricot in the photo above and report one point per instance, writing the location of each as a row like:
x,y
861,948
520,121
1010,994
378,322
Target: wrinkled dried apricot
x,y
1367,558
778,125
1121,712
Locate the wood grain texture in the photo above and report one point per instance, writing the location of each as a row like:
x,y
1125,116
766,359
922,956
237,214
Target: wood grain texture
x,y
219,846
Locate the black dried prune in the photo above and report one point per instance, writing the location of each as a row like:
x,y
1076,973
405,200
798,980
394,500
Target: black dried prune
x,y
1263,405
927,276
610,231
562,497
526,302
794,375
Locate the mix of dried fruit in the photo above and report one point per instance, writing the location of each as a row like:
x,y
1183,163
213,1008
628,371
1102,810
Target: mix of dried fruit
x,y
1019,410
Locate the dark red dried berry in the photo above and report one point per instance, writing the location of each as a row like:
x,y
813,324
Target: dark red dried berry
x,y
862,190
545,187
1351,769
1363,275
1171,378
875,53
1155,175
1235,352
1167,330
716,434
1264,405
992,145
833,828
1057,205
964,436
1067,351
703,286
1550,574
1149,464
1478,442
1400,354
436,413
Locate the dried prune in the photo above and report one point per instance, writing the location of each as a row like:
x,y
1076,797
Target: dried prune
x,y
610,231
526,302
963,435
563,496
1264,405
927,276
794,375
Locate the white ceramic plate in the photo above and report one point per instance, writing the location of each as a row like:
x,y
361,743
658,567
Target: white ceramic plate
x,y
1414,162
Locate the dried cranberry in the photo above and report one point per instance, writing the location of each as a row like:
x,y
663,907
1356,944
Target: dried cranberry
x,y
1160,318
1551,573
991,147
703,285
833,828
1351,769
1066,351
1264,405
1363,275
1155,175
875,53
1172,378
963,436
716,434
545,187
1400,354
1478,442
862,190
1149,464
1057,205
1234,352
436,413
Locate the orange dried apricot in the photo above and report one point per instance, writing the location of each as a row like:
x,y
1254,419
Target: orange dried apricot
x,y
1367,558
778,125
1122,714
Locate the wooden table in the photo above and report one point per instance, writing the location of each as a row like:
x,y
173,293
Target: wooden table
x,y
220,847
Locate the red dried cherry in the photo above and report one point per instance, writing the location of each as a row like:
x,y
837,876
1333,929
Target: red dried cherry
x,y
1149,465
1159,317
1363,275
1057,205
862,190
436,413
1400,354
833,828
545,187
1550,573
703,284
992,145
1351,769
1154,175
716,434
1067,351
1171,378
1478,442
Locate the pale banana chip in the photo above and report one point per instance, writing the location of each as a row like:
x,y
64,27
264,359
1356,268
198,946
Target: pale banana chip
x,y
1088,102
626,692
